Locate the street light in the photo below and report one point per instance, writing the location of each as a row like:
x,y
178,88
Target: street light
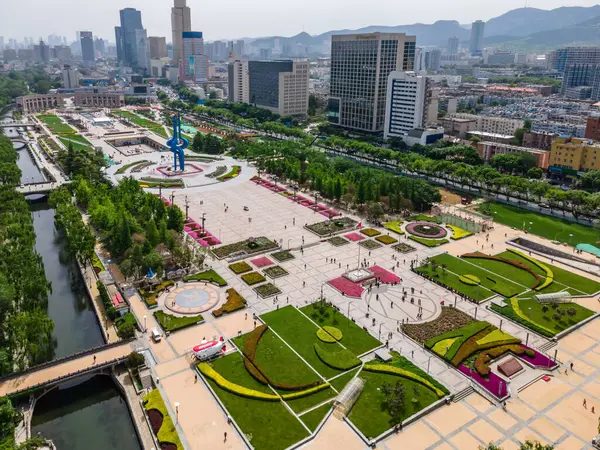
x,y
429,362
177,412
145,326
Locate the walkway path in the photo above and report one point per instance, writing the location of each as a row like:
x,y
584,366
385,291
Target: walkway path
x,y
48,374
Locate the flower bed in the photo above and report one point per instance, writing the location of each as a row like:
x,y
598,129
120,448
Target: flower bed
x,y
387,240
240,267
220,170
346,287
166,433
150,296
332,226
429,242
208,275
338,241
370,232
234,302
449,319
267,290
394,226
284,255
276,272
458,233
493,384
248,247
370,244
253,278
354,237
426,230
383,275
234,172
404,248
261,262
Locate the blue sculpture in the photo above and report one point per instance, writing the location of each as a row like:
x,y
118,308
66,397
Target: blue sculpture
x,y
175,145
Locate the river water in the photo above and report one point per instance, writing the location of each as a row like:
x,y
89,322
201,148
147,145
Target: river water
x,y
90,415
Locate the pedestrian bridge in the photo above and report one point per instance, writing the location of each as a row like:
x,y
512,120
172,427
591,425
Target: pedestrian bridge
x,y
60,370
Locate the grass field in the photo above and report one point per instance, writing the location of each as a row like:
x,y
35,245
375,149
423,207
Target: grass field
x,y
79,138
142,122
76,145
313,418
268,425
548,227
172,323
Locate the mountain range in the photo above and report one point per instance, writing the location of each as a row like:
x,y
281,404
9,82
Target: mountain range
x,y
518,29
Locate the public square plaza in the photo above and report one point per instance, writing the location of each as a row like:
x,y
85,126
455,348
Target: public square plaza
x,y
289,356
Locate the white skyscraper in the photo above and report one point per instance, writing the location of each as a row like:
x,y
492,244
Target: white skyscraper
x,y
180,22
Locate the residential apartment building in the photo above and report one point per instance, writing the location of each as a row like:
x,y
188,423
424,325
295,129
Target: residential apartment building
x,y
453,44
592,128
575,154
238,81
558,128
70,77
158,47
360,66
280,86
536,139
181,22
492,124
458,127
564,57
194,65
411,103
476,42
488,150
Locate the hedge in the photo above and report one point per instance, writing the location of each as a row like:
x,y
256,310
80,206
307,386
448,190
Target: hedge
x,y
429,242
305,392
343,359
469,279
394,226
207,275
253,278
167,434
234,172
392,370
234,302
236,389
385,239
240,267
482,360
549,274
329,334
370,232
249,351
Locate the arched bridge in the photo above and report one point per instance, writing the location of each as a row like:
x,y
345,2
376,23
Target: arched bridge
x,y
60,370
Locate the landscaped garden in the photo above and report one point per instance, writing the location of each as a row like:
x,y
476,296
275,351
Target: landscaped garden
x,y
240,267
125,167
233,303
234,172
370,244
275,272
247,247
394,226
426,230
549,227
332,226
168,322
429,242
458,233
267,290
471,345
370,232
284,255
253,278
149,295
385,239
144,123
338,241
210,276
403,248
161,422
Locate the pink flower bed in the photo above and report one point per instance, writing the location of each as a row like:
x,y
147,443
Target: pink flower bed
x,y
493,384
193,234
354,237
385,276
263,261
347,287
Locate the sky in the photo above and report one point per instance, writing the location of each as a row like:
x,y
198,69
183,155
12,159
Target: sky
x,y
232,19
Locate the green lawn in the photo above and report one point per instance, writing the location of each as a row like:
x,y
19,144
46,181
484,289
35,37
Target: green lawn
x,y
502,269
456,267
268,425
551,228
563,279
56,125
301,334
313,418
76,145
302,404
340,382
207,275
172,323
142,122
549,326
354,337
278,362
78,138
369,413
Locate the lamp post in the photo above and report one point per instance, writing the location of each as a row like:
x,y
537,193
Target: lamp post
x,y
380,330
289,243
428,363
177,412
187,207
145,325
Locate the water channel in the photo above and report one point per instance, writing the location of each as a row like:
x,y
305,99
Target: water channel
x,y
91,414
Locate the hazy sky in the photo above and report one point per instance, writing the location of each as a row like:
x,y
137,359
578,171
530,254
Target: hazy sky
x,y
229,19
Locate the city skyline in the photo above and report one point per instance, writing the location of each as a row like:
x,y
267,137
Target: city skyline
x,y
267,20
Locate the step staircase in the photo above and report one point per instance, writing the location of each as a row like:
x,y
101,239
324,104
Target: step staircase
x,y
547,346
461,395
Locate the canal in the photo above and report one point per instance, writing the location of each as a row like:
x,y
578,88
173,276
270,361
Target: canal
x,y
92,414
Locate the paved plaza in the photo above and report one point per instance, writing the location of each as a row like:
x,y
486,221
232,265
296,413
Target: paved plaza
x,y
550,411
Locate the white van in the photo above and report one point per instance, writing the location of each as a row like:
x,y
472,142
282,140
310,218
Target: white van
x,y
156,336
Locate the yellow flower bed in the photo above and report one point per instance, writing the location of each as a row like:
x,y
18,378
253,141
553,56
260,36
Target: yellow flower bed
x,y
391,370
458,233
167,432
514,302
305,392
442,347
242,391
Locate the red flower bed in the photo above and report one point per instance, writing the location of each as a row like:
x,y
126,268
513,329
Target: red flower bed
x,y
167,446
385,276
156,419
354,237
261,262
347,287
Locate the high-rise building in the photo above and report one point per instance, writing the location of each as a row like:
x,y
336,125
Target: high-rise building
x,y
433,60
143,50
1,44
476,43
265,53
411,103
360,65
99,46
63,53
70,77
238,48
579,75
279,86
194,64
158,47
125,34
41,52
239,81
561,58
10,54
180,22
88,53
453,43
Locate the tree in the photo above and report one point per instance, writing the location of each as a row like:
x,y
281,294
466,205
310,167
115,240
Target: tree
x,y
394,399
134,360
152,235
42,87
174,218
535,173
374,210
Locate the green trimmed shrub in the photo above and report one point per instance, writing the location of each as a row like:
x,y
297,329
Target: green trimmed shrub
x,y
371,232
253,278
240,267
234,302
393,370
223,383
306,392
342,359
208,275
329,334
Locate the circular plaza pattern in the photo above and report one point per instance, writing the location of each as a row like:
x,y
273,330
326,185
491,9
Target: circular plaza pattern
x,y
192,298
426,230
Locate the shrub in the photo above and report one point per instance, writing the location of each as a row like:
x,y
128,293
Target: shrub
x,y
469,279
392,370
329,334
167,432
394,226
571,312
429,242
207,275
240,267
283,255
234,172
253,278
458,233
305,392
371,232
234,302
545,308
236,389
387,240
134,360
482,360
530,353
556,316
342,359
